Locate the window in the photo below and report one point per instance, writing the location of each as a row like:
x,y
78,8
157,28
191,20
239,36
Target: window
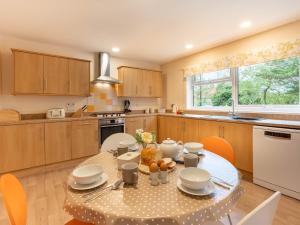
x,y
212,89
270,84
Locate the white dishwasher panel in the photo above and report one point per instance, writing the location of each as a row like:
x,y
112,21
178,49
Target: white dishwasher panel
x,y
276,159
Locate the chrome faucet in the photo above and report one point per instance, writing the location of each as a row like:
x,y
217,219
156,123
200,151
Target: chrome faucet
x,y
233,109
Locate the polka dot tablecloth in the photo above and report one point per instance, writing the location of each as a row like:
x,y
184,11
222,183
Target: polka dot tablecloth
x,y
156,205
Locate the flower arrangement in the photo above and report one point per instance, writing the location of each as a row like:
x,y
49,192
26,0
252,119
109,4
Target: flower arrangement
x,y
144,138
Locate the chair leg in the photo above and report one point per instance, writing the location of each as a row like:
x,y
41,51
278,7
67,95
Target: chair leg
x,y
229,219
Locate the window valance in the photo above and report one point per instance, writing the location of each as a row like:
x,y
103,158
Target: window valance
x,y
278,51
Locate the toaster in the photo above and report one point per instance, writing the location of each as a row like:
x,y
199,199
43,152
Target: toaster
x,y
56,113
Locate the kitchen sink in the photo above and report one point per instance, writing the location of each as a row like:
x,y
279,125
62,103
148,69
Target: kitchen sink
x,y
245,118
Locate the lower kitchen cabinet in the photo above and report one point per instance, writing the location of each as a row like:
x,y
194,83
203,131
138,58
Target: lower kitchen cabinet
x,y
170,127
84,138
132,124
21,146
189,130
150,124
240,137
147,123
58,141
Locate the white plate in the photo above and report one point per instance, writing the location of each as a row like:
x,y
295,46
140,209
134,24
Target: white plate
x,y
81,187
202,192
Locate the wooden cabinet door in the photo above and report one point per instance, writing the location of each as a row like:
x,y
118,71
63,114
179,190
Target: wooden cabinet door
x,y
191,130
56,75
84,138
150,124
58,141
156,88
28,70
132,80
132,124
79,73
208,128
147,83
171,127
22,146
240,137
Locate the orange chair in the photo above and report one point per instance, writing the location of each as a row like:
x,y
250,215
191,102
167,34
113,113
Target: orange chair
x,y
15,201
220,147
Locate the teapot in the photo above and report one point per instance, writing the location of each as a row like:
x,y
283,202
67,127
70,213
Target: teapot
x,y
170,148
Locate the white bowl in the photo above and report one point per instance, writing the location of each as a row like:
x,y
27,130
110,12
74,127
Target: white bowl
x,y
193,147
87,174
194,178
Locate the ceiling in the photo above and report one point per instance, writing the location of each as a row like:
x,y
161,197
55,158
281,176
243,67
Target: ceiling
x,y
149,30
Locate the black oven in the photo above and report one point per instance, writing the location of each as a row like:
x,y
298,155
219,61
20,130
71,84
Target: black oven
x,y
109,126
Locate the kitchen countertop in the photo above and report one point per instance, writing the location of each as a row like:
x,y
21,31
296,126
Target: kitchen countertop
x,y
261,122
30,121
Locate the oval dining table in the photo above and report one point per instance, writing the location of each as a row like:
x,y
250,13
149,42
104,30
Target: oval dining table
x,y
164,204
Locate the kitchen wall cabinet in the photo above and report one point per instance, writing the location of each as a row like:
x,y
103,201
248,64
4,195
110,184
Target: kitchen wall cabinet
x,y
58,142
84,138
56,75
79,72
43,74
29,73
22,146
139,82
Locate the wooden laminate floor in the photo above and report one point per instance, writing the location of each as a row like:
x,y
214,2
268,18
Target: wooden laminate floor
x,y
46,196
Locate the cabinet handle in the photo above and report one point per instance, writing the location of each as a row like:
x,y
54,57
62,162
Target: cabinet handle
x,y
46,84
136,89
86,123
150,90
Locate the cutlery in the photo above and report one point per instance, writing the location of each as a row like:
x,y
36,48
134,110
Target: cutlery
x,y
97,190
223,181
113,186
221,184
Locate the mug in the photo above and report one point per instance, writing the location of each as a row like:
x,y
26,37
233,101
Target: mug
x,y
130,173
190,160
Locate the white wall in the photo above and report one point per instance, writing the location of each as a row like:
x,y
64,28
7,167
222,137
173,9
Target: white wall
x,y
37,104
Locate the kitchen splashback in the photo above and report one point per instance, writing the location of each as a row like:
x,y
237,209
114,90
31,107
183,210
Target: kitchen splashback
x,y
104,98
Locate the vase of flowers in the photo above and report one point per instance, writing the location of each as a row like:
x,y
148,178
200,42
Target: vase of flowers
x,y
144,138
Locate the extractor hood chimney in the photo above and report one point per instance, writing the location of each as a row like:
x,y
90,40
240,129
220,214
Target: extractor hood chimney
x,y
104,69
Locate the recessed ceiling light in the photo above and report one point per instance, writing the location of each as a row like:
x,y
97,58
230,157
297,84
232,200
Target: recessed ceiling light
x,y
115,49
246,24
189,46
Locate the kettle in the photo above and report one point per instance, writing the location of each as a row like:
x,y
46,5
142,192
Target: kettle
x,y
174,108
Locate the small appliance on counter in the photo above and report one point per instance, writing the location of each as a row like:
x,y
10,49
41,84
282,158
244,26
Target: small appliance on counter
x,y
127,106
56,113
174,108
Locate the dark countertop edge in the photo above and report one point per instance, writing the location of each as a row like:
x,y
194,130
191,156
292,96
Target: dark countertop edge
x,y
32,121
262,122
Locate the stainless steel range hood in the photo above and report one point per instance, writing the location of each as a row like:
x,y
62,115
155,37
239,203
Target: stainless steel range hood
x,y
104,69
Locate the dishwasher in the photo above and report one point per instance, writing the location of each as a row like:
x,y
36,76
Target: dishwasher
x,y
276,159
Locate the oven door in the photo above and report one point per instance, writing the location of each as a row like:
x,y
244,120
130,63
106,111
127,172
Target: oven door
x,y
107,130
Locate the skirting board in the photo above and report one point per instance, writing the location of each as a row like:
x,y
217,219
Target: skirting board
x,y
273,187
